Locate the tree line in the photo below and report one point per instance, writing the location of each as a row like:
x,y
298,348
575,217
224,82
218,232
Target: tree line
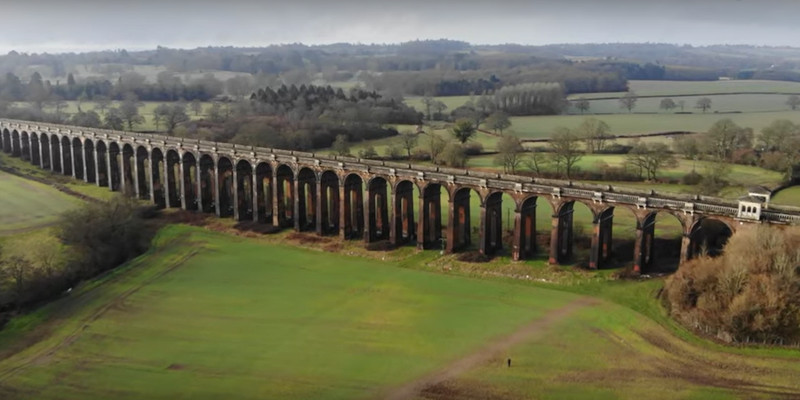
x,y
88,241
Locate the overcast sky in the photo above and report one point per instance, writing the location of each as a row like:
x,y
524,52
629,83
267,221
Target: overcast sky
x,y
66,25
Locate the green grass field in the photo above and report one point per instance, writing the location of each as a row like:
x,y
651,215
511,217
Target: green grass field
x,y
684,88
729,103
86,189
145,110
789,196
205,315
745,103
631,124
26,204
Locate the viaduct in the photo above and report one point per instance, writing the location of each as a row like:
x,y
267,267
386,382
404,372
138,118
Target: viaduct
x,y
369,199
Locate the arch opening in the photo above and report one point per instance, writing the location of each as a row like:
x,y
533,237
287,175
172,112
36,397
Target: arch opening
x,y
264,188
25,146
101,161
36,156
404,230
143,174
46,159
173,177
284,197
708,237
461,233
225,184
377,224
55,152
66,156
6,141
328,203
16,145
77,158
88,155
244,191
208,184
429,234
156,179
190,182
353,203
127,170
306,200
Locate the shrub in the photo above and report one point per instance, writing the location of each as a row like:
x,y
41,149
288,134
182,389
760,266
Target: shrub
x,y
749,294
692,178
473,148
368,152
454,155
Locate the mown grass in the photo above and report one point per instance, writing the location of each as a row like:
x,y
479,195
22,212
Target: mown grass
x,y
26,204
789,196
207,315
86,189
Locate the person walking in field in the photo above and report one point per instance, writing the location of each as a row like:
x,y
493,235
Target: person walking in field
x,y
509,363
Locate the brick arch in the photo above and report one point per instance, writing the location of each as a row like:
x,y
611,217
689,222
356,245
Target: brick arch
x,y
283,215
46,159
77,157
189,181
306,199
403,228
352,201
89,160
207,183
329,209
377,223
708,234
225,186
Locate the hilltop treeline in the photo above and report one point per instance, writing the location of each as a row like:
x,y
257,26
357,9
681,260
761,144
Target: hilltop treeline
x,y
168,87
434,67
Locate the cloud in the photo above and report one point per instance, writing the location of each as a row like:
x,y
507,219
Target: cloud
x,y
41,25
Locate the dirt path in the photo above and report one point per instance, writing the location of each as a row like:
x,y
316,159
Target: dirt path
x,y
489,351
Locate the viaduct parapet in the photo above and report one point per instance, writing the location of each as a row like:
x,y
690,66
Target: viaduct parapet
x,y
367,199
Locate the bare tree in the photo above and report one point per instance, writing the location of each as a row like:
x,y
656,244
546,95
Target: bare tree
x,y
595,133
703,103
509,154
565,146
628,101
498,121
196,106
793,101
436,145
667,104
408,140
102,103
651,158
582,104
129,110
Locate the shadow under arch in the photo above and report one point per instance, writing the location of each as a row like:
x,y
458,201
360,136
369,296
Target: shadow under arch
x,y
708,236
